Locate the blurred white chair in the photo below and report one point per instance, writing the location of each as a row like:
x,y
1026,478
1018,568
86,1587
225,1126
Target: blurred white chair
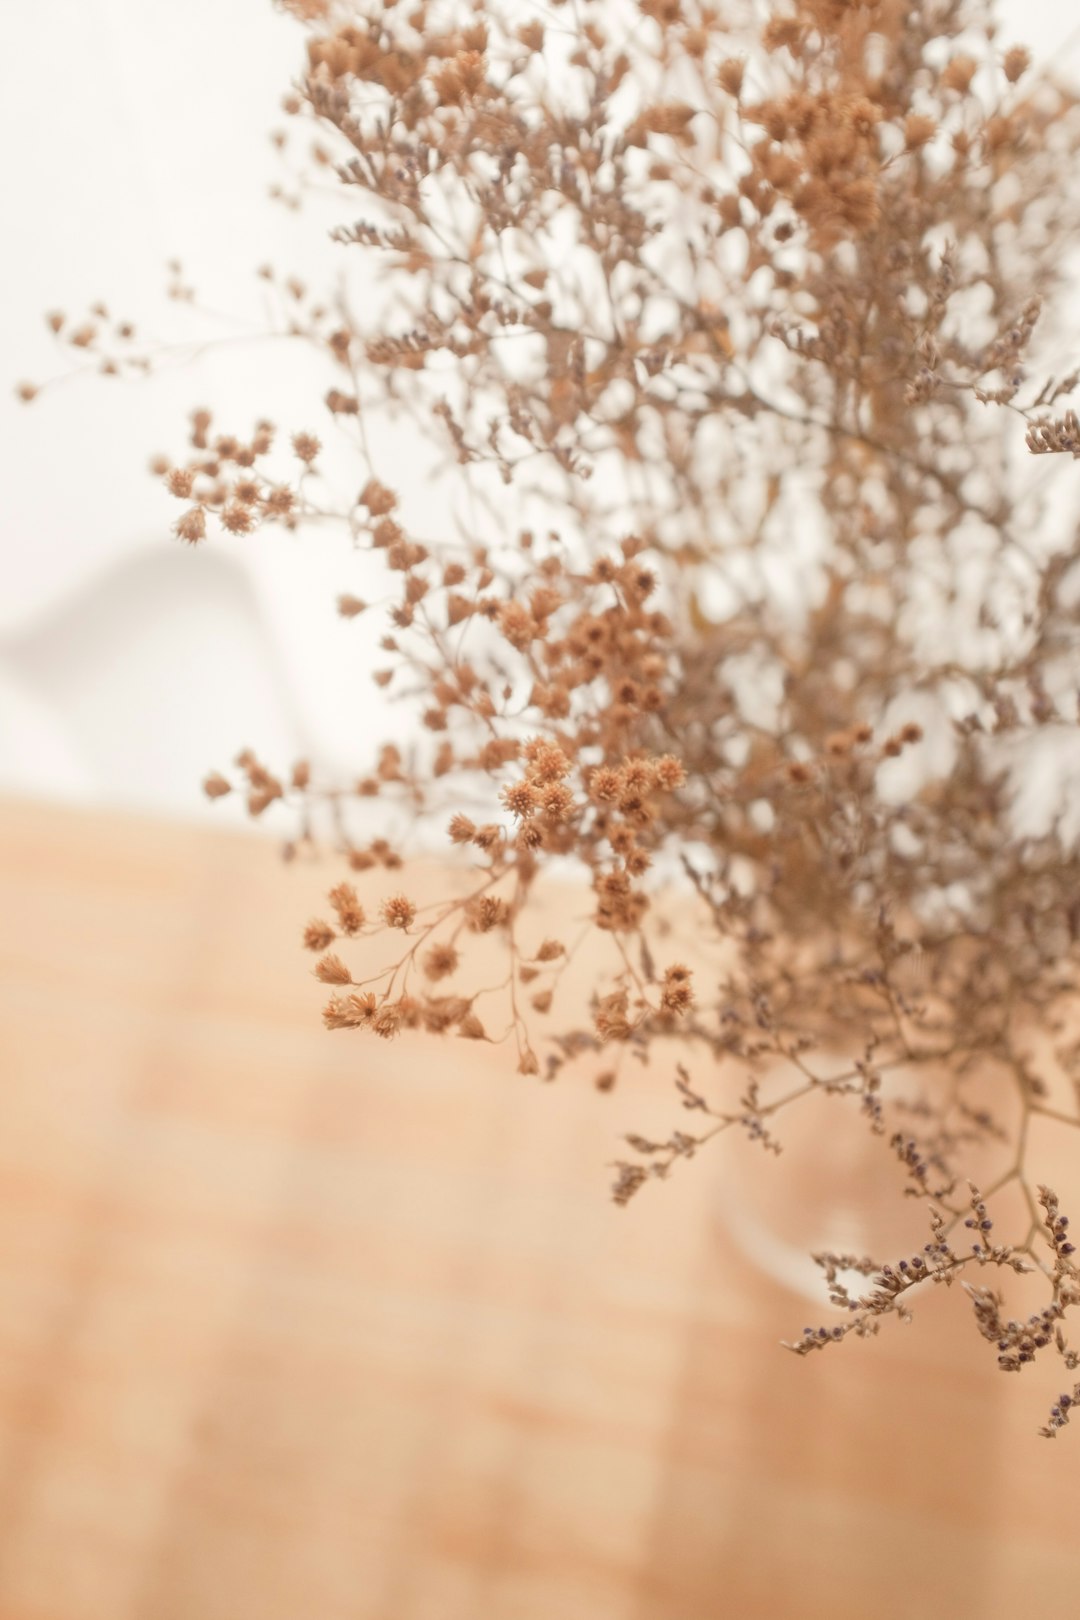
x,y
127,689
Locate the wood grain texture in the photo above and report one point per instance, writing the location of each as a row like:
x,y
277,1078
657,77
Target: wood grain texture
x,y
301,1325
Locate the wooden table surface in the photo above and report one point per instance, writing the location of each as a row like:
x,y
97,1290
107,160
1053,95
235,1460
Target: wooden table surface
x,y
299,1326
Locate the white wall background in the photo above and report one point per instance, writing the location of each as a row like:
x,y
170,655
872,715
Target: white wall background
x,y
132,131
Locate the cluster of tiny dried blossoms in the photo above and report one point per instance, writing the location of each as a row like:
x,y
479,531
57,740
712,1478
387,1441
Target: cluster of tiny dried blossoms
x,y
744,311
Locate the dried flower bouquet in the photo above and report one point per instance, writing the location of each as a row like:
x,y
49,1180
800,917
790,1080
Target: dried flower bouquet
x,y
744,328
